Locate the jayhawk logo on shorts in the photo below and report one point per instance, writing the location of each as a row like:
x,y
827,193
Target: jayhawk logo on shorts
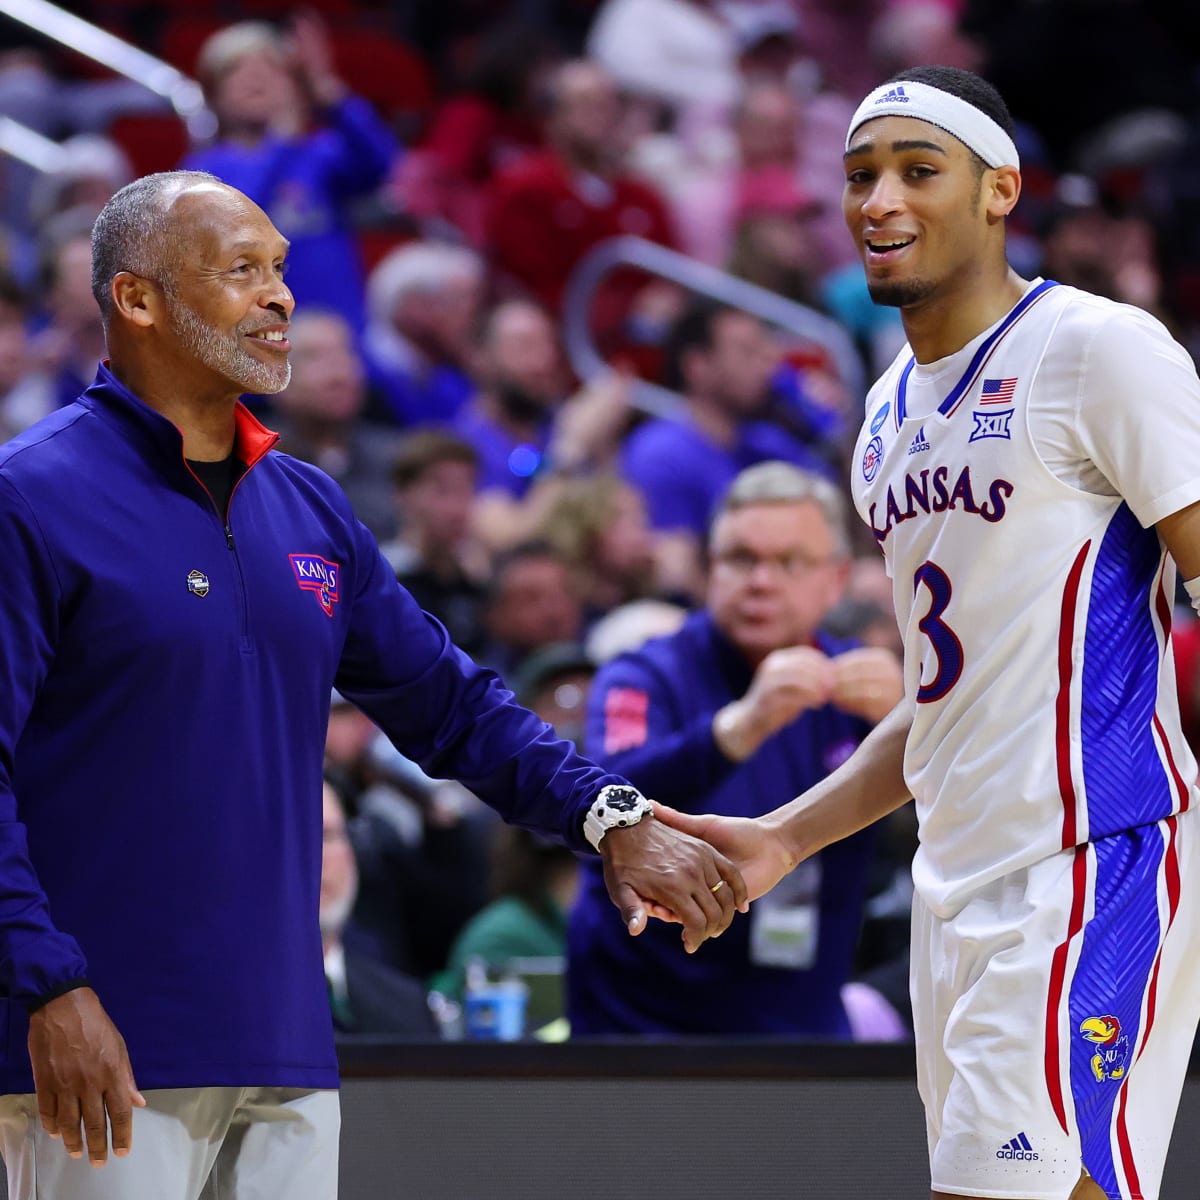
x,y
1112,1047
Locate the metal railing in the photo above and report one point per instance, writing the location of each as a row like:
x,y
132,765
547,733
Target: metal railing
x,y
704,280
184,94
21,142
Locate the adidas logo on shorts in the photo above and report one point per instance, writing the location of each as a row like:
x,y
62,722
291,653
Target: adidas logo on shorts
x,y
1019,1148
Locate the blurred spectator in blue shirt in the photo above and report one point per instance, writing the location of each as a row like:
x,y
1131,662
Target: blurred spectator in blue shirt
x,y
723,361
524,382
67,199
320,418
25,389
69,341
436,557
743,708
265,90
423,303
533,602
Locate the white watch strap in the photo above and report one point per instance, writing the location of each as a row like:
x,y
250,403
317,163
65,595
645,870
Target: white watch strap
x,y
600,818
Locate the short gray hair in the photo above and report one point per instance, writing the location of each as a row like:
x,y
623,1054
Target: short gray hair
x,y
225,48
131,232
414,269
777,482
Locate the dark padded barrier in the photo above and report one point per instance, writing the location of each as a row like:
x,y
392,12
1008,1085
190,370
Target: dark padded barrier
x,y
663,1121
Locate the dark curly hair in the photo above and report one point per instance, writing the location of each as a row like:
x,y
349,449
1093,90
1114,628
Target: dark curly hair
x,y
966,85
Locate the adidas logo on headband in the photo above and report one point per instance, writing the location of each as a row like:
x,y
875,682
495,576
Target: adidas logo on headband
x,y
971,125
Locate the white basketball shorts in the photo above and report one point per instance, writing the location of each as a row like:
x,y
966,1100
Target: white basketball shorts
x,y
1054,1018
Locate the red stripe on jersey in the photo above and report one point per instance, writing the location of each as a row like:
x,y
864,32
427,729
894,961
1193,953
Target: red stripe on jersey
x,y
1171,877
1163,608
1127,1163
1062,704
1162,604
1171,874
1180,786
1058,974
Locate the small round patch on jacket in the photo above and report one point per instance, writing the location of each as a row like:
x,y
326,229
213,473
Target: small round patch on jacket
x,y
197,583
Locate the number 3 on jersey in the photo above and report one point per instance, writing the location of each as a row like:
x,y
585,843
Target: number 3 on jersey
x,y
944,640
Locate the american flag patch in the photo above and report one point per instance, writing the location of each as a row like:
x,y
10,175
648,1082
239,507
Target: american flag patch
x,y
997,391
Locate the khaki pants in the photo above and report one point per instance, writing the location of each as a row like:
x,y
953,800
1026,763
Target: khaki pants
x,y
215,1143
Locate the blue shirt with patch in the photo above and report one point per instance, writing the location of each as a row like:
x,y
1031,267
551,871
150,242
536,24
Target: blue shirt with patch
x,y
650,718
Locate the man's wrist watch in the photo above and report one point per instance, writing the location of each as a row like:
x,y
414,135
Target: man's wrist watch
x,y
617,807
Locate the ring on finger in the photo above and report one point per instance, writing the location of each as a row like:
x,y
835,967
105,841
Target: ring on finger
x,y
716,887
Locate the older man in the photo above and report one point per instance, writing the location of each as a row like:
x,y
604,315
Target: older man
x,y
747,704
423,306
366,995
179,599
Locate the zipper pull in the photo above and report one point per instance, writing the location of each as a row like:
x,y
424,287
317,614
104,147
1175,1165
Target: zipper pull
x,y
229,536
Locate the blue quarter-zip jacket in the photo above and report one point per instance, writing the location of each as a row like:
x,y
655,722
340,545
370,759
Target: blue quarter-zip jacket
x,y
165,674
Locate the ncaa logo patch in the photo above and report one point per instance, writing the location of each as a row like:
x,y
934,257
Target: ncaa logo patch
x,y
197,584
878,419
872,456
319,576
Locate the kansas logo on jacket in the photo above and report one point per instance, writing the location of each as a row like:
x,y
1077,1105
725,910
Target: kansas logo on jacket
x,y
318,575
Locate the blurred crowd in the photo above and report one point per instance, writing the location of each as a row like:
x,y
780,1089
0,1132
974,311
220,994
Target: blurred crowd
x,y
441,171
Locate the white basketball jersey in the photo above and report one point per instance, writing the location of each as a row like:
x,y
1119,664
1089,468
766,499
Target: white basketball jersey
x,y
1013,488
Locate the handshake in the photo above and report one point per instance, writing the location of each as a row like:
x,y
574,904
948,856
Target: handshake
x,y
695,871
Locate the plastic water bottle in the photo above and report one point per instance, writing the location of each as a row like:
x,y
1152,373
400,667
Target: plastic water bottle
x,y
493,1011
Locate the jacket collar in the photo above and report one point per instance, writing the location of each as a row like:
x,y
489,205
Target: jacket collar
x,y
113,400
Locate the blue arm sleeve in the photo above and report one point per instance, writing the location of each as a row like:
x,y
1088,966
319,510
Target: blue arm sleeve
x,y
358,147
455,718
634,727
37,961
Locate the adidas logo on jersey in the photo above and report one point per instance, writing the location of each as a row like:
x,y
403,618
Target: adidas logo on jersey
x,y
1019,1149
895,96
919,443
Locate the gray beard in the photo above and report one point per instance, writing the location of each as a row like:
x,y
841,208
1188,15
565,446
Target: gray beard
x,y
226,353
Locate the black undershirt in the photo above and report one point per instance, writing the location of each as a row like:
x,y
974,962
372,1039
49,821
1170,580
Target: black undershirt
x,y
219,478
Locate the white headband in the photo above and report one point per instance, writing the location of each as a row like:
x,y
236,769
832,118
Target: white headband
x,y
975,129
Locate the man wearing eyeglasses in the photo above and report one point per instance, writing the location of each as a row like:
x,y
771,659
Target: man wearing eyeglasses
x,y
749,701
